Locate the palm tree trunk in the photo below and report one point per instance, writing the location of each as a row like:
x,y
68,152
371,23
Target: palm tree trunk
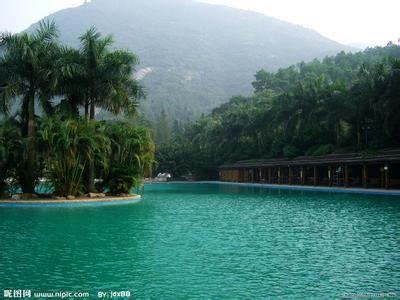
x,y
27,184
26,175
31,114
90,184
87,110
92,111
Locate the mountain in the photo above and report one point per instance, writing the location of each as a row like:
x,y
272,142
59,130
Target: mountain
x,y
194,56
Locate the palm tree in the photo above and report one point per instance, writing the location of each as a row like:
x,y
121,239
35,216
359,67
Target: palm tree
x,y
334,107
109,81
108,76
30,71
390,104
132,156
68,146
72,84
8,132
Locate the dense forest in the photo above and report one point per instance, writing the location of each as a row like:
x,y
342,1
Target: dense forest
x,y
349,102
193,56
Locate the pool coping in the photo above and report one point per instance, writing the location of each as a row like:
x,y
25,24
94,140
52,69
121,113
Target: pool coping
x,y
343,190
71,203
314,188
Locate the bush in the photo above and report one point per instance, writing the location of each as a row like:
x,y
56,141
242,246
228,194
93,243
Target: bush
x,y
27,163
64,149
3,160
16,155
132,156
71,145
122,180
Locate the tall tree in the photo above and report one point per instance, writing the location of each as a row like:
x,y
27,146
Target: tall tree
x,y
108,76
72,85
29,63
163,132
29,67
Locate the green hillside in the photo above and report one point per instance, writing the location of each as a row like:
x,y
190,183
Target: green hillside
x,y
344,103
194,56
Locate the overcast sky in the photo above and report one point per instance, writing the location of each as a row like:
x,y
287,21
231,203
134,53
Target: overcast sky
x,y
373,22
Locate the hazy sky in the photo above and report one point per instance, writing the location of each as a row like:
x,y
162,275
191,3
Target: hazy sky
x,y
372,22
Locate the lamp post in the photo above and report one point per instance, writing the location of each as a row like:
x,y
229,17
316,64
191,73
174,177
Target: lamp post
x,y
386,169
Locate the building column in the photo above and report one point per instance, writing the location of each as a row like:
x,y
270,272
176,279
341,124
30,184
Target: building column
x,y
315,176
346,176
290,175
279,175
330,176
364,176
269,175
302,175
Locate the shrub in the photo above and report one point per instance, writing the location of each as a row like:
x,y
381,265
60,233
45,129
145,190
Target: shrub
x,y
16,158
71,145
132,156
121,180
3,159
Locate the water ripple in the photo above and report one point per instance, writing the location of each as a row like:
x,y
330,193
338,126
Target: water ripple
x,y
208,241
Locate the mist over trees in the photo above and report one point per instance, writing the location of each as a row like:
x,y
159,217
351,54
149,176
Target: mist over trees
x,y
194,56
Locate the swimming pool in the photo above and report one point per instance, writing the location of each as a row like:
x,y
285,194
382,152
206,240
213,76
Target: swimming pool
x,y
207,240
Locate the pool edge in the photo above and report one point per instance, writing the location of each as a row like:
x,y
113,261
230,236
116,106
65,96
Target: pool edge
x,y
71,203
360,191
313,188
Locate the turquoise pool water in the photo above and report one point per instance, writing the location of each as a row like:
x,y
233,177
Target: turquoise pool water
x,y
207,241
